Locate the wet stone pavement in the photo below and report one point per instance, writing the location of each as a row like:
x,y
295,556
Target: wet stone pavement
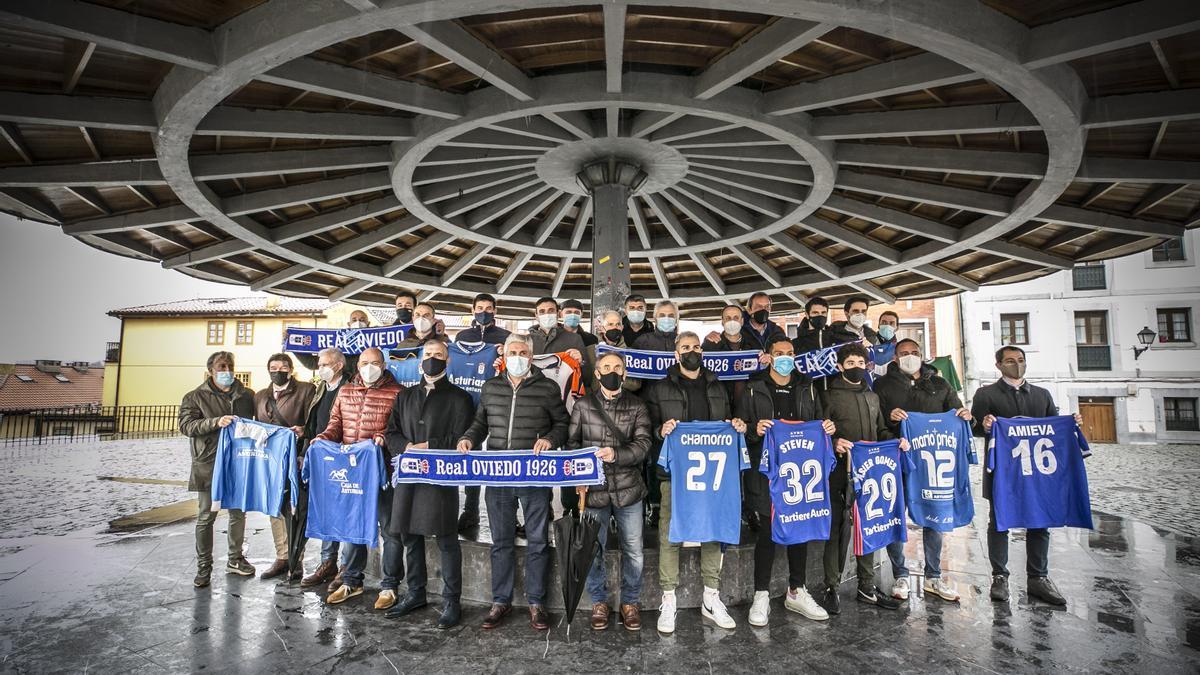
x,y
89,601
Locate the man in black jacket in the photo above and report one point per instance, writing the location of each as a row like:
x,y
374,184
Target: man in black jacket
x,y
483,323
666,329
690,392
758,331
855,410
854,328
618,423
813,332
572,321
434,414
1013,396
635,324
518,409
911,385
778,393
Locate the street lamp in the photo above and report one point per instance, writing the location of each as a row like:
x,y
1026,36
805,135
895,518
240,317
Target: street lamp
x,y
1146,337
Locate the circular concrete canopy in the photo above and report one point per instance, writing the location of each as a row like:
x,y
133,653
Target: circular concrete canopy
x,y
892,149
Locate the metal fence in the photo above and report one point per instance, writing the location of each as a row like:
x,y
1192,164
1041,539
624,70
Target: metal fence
x,y
81,423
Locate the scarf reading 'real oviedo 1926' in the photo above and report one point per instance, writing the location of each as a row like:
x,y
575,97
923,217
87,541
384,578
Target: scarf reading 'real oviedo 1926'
x,y
648,365
504,468
345,340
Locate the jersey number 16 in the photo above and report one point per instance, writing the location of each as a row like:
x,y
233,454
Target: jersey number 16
x,y
1043,456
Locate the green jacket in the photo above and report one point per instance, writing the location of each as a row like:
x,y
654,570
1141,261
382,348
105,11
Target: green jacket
x,y
199,413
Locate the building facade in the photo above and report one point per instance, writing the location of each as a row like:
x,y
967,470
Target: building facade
x,y
1080,329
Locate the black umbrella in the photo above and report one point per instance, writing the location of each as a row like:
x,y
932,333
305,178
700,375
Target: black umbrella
x,y
297,521
576,539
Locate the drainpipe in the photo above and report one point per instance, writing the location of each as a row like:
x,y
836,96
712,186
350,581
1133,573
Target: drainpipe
x,y
962,343
120,364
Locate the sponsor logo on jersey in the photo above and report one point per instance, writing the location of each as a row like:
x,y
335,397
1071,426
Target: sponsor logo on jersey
x,y
338,475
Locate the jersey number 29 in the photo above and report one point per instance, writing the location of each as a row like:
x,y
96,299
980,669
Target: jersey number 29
x,y
873,489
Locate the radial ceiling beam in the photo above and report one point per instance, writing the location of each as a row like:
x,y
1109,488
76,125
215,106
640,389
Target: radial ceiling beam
x,y
353,84
453,42
698,214
460,187
667,217
581,221
557,212
416,252
885,79
1156,197
639,221
331,220
798,250
463,263
1132,109
303,193
967,119
874,291
757,263
274,162
282,276
1034,256
855,240
560,277
230,121
660,278
951,160
1127,170
614,45
649,121
94,174
77,111
893,218
12,135
369,240
514,268
500,207
717,203
520,217
1109,30
929,193
709,272
91,197
428,175
207,254
764,48
353,288
29,204
77,54
574,121
944,275
165,215
478,199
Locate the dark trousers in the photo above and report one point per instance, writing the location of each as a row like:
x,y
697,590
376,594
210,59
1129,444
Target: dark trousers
x,y
391,555
417,577
764,561
841,496
502,520
1037,549
471,499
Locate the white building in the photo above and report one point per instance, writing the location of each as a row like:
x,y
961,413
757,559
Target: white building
x,y
1079,329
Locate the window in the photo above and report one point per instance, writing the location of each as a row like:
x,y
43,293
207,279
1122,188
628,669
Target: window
x,y
24,378
245,332
1175,325
1180,414
1091,341
1170,250
913,331
1014,329
1088,277
216,332
287,325
243,377
62,378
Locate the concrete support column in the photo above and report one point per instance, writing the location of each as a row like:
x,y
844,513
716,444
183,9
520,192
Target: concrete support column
x,y
610,248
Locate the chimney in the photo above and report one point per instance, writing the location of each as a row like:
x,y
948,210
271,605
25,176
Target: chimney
x,y
48,367
273,302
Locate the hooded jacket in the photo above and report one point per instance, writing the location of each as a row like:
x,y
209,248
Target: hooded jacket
x,y
666,400
808,338
855,409
623,481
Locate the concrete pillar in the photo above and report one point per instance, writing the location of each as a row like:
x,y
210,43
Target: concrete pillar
x,y
610,248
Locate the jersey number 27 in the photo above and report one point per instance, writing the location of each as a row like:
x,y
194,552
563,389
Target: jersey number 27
x,y
696,472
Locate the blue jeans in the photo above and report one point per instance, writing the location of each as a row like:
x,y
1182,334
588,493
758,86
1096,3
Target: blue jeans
x,y
629,528
392,558
502,520
330,550
932,540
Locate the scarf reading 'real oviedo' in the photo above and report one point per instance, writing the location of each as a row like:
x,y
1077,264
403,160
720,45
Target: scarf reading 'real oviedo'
x,y
345,340
648,365
503,468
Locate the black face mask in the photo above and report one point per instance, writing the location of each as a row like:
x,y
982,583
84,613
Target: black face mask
x,y
613,334
279,377
761,316
818,322
403,316
691,360
854,375
433,367
611,381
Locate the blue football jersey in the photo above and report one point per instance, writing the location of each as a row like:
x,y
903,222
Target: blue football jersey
x,y
254,460
938,489
877,469
344,482
1038,479
405,365
705,460
471,364
797,458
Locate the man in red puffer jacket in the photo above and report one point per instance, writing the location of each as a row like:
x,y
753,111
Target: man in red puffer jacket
x,y
360,413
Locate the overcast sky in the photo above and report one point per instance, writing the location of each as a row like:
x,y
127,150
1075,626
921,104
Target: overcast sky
x,y
57,291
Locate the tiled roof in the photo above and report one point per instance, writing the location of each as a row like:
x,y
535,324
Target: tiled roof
x,y
381,316
245,306
44,391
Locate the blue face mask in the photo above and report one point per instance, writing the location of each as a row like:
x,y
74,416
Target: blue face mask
x,y
223,379
484,318
784,365
666,324
572,320
887,332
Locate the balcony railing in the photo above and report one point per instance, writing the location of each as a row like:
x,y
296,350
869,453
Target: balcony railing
x,y
1094,357
82,423
1088,278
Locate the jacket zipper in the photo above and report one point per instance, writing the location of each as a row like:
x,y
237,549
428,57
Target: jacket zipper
x,y
512,413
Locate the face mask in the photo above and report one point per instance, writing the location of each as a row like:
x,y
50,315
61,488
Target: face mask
x,y
613,334
517,366
325,373
404,315
279,378
1013,371
370,373
433,366
224,379
547,321
732,327
887,332
691,360
666,324
358,324
854,375
422,324
484,318
635,316
909,364
572,320
858,320
611,381
784,365
817,322
761,316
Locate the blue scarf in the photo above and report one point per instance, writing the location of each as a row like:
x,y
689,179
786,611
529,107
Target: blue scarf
x,y
503,468
728,366
345,340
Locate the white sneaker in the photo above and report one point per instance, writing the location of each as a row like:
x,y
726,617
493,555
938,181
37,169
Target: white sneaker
x,y
760,609
941,588
713,609
900,589
666,613
798,600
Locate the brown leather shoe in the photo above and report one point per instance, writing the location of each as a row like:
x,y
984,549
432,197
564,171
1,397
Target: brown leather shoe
x,y
322,575
495,616
631,617
600,616
277,568
337,579
538,618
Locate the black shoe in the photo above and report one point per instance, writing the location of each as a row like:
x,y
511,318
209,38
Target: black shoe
x,y
203,577
878,598
468,521
830,602
406,605
1044,589
451,614
1000,588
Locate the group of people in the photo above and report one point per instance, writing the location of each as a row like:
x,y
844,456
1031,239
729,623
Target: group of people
x,y
358,399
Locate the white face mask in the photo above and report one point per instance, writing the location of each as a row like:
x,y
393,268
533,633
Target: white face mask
x,y
326,374
358,324
732,327
518,366
547,321
370,373
636,316
909,364
858,320
422,324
